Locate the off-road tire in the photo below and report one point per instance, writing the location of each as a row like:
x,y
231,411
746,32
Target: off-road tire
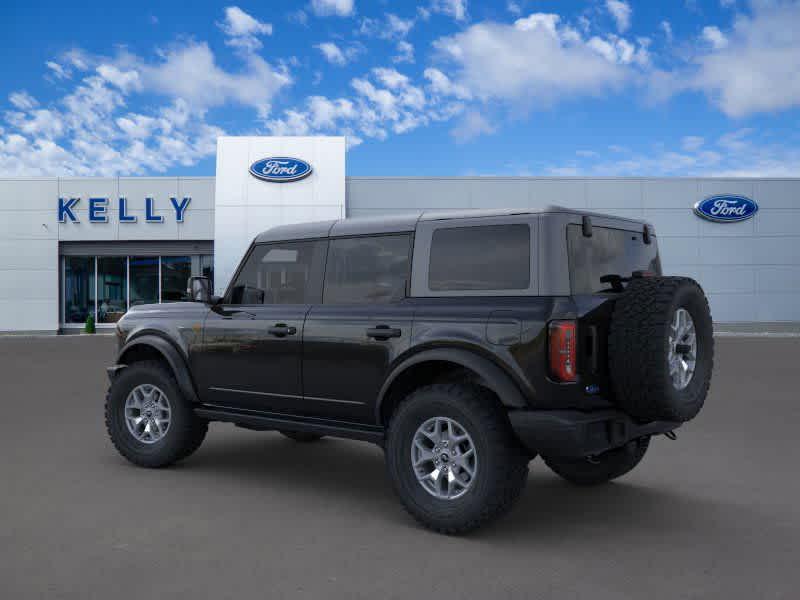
x,y
638,347
601,468
186,431
502,468
302,437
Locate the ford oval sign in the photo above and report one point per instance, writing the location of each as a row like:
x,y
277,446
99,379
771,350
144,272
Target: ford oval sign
x,y
280,169
726,209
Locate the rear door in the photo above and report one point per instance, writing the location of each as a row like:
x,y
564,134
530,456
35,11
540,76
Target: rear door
x,y
362,324
252,342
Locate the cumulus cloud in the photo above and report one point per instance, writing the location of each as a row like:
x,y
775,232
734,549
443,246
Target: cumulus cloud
x,y
715,37
453,8
91,130
338,56
621,11
243,29
757,67
536,60
405,52
339,8
385,101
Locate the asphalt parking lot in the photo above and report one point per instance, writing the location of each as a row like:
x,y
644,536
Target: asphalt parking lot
x,y
714,515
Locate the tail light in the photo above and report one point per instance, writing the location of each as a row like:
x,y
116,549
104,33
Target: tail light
x,y
562,340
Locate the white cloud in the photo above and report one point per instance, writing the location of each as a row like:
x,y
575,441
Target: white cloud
x,y
339,8
735,154
715,37
441,84
336,55
91,131
471,125
405,52
621,11
514,8
58,70
758,70
22,100
453,8
385,101
398,27
537,60
666,27
243,29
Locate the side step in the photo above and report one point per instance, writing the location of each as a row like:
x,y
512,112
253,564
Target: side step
x,y
266,421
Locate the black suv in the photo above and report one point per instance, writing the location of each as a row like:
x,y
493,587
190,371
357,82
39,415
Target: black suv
x,y
464,344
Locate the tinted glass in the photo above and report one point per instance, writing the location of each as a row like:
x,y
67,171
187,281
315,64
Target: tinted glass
x,y
282,273
112,288
175,273
607,252
144,280
367,269
78,288
487,257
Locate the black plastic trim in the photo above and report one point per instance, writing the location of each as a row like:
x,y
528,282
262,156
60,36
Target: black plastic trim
x,y
266,421
572,433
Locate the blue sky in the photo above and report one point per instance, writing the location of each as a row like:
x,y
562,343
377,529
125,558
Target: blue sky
x,y
437,87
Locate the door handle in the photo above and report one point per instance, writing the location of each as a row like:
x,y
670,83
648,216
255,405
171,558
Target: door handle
x,y
281,330
383,332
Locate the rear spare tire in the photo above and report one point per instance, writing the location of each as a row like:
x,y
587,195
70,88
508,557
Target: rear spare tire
x,y
661,349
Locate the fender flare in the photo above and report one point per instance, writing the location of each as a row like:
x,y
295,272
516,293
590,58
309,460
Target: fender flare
x,y
175,360
495,378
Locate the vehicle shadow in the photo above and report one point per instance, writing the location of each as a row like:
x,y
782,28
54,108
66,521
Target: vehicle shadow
x,y
549,509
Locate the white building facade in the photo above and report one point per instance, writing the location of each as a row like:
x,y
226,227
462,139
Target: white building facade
x,y
71,248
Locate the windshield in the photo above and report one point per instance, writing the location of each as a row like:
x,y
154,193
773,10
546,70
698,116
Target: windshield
x,y
607,252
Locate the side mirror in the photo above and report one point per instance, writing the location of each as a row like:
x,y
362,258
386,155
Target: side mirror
x,y
199,289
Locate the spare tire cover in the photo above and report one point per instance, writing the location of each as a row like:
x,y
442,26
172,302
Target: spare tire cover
x,y
661,349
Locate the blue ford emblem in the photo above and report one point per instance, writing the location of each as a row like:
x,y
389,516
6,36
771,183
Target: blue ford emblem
x,y
726,209
280,169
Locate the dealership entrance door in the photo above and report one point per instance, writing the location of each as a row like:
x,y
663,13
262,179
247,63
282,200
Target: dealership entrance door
x,y
104,279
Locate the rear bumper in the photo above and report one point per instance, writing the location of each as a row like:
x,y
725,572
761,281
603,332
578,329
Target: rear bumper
x,y
573,433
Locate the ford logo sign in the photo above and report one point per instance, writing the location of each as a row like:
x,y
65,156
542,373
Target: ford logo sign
x,y
726,209
280,169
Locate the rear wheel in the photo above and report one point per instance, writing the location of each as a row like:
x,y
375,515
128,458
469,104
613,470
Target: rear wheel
x,y
148,419
601,468
302,436
453,459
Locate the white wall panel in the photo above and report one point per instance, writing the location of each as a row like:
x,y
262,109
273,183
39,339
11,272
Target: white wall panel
x,y
246,205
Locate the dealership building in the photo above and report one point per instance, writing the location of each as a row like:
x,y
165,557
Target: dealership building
x,y
71,247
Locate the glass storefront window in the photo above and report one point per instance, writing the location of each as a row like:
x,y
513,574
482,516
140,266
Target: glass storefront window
x,y
112,288
143,280
120,282
78,288
175,273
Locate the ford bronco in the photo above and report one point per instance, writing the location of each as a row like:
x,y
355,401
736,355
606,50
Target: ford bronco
x,y
464,344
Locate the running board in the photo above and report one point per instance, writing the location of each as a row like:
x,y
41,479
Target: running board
x,y
266,421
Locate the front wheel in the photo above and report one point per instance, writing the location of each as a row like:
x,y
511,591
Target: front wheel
x,y
148,419
453,459
602,468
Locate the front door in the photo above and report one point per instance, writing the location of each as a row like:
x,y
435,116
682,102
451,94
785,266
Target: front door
x,y
252,341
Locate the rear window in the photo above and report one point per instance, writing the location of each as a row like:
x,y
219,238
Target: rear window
x,y
367,269
607,252
485,257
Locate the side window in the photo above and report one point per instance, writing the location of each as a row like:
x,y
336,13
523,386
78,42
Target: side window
x,y
483,257
281,273
367,269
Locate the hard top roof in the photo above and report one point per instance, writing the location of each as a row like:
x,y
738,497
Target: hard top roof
x,y
401,222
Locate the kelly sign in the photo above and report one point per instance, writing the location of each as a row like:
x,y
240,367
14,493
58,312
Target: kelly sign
x,y
99,208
